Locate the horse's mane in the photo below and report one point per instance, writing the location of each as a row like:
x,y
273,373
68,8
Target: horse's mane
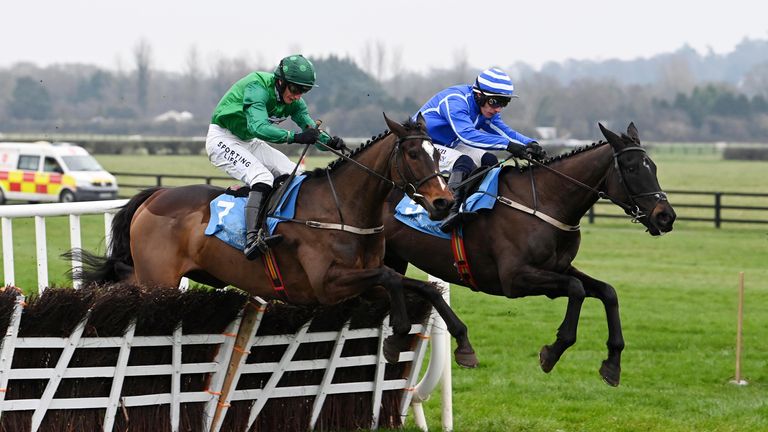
x,y
408,125
567,155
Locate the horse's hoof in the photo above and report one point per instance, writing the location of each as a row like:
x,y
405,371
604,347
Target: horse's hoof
x,y
545,359
611,374
465,359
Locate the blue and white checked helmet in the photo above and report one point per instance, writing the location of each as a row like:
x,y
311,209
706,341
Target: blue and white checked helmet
x,y
495,82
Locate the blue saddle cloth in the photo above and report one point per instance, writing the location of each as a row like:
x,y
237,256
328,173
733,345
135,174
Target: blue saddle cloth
x,y
228,215
415,216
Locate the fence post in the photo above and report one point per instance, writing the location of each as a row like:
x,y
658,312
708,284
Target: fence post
x,y
591,215
159,180
718,202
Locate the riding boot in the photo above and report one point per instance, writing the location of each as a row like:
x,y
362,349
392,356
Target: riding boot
x,y
256,240
455,217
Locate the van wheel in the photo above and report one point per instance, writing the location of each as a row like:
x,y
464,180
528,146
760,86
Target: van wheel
x,y
2,197
66,196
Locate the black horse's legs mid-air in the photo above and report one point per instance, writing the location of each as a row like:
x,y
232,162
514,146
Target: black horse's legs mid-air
x,y
611,367
576,286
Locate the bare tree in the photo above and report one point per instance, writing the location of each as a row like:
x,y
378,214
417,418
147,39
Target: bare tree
x,y
373,59
675,76
142,55
755,82
366,57
396,62
380,59
192,76
192,63
461,64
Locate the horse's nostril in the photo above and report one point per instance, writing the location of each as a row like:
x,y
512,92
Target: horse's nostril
x,y
441,204
665,220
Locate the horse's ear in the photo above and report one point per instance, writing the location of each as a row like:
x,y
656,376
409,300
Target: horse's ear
x,y
610,136
632,132
394,126
421,122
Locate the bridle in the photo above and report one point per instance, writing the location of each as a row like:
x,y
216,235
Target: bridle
x,y
407,185
632,210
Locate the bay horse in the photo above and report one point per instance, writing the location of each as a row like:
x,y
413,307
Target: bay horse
x,y
514,253
158,236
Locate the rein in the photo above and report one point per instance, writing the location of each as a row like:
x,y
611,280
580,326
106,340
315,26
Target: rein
x,y
404,187
631,210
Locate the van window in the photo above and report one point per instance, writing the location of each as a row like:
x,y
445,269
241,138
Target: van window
x,y
50,165
29,163
82,163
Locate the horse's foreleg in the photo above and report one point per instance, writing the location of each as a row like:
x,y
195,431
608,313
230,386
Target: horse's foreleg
x,y
610,370
566,333
554,285
464,354
342,283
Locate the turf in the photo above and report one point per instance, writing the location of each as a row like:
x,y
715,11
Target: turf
x,y
678,301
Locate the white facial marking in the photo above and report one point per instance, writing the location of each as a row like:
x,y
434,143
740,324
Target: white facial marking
x,y
646,164
428,147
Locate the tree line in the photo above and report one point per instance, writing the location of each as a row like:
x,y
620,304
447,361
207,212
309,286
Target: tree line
x,y
671,97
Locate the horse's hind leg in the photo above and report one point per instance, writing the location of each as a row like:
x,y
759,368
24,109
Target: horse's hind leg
x,y
610,370
464,354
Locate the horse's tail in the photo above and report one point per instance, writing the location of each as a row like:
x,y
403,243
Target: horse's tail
x,y
117,265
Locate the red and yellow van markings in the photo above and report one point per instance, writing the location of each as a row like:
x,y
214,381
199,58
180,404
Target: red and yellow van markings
x,y
35,182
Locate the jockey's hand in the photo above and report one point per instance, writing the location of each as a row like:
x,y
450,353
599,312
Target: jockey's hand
x,y
536,151
307,136
336,143
516,150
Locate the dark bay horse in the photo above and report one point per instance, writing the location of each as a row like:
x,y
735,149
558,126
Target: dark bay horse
x,y
513,253
158,236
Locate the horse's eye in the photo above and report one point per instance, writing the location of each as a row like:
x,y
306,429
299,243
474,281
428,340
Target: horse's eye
x,y
413,154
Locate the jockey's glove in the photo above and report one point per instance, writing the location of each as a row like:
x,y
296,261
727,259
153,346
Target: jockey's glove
x,y
516,150
535,150
307,136
336,143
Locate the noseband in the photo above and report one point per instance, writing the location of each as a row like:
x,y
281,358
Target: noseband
x,y
634,209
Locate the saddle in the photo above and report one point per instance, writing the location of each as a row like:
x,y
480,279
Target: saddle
x,y
279,185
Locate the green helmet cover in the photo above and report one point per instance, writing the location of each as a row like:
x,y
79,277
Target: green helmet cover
x,y
297,70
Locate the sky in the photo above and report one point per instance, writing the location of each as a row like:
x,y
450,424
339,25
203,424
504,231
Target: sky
x,y
427,34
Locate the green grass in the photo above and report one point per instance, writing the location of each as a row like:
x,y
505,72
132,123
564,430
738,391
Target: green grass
x,y
678,307
678,302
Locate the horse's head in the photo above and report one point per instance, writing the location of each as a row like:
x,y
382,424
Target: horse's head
x,y
634,182
414,167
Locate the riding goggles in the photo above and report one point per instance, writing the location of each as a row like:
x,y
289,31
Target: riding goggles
x,y
298,89
497,102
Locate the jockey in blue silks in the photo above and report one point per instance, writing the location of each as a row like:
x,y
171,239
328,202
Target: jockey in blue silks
x,y
465,124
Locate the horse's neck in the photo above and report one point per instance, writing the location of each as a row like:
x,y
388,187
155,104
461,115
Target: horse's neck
x,y
361,193
590,168
561,198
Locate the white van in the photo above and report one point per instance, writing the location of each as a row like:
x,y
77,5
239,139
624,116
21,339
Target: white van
x,y
45,172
